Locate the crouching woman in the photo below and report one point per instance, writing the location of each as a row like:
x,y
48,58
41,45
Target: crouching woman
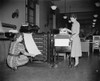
x,y
17,54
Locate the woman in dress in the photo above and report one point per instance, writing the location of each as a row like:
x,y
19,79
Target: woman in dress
x,y
17,54
76,44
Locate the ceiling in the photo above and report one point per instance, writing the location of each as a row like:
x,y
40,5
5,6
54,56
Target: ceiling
x,y
84,9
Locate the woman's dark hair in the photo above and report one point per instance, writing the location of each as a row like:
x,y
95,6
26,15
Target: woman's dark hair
x,y
17,35
74,16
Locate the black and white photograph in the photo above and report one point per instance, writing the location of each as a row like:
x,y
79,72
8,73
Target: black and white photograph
x,y
49,40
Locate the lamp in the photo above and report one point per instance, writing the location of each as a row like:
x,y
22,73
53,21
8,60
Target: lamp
x,y
53,7
95,15
94,20
93,25
65,16
97,4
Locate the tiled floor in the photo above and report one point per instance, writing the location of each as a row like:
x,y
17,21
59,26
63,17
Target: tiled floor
x,y
88,70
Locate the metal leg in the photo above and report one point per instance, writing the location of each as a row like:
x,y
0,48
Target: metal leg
x,y
70,64
69,60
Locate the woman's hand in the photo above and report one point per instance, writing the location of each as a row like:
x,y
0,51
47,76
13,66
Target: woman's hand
x,y
31,55
27,54
71,38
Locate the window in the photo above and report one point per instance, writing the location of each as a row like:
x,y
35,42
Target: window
x,y
30,6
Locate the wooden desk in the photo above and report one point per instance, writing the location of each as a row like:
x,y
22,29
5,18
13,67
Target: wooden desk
x,y
4,47
85,46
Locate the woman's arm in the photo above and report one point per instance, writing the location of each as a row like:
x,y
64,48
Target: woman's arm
x,y
22,49
24,52
69,31
28,54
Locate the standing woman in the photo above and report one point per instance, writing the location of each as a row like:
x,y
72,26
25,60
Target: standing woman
x,y
76,44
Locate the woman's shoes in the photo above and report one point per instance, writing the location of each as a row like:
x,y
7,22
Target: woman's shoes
x,y
14,68
76,64
70,65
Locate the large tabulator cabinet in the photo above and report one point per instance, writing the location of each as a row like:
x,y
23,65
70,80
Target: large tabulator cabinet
x,y
96,43
46,44
43,43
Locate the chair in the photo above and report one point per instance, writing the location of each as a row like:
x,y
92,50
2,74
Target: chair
x,y
96,43
85,46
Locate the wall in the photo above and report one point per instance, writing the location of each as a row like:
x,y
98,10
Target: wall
x,y
45,23
8,7
74,5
